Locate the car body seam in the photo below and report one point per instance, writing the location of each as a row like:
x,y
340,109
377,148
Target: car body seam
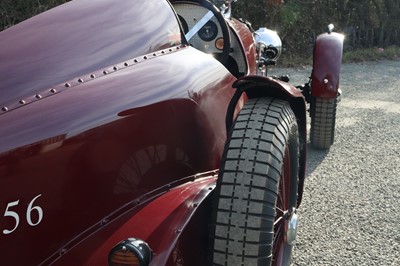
x,y
87,78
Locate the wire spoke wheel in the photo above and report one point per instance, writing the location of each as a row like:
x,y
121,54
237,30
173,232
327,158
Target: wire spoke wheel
x,y
254,219
281,249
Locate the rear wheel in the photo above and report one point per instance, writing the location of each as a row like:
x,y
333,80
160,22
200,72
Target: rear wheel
x,y
255,221
323,118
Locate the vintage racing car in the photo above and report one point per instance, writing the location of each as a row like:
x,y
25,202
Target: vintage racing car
x,y
148,133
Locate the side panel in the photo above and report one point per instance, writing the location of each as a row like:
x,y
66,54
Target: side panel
x,y
328,52
82,153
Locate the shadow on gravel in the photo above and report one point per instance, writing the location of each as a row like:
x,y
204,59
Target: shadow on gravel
x,y
314,158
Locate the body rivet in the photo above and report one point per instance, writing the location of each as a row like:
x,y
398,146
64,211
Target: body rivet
x,y
115,68
38,96
63,251
53,90
67,85
80,80
5,109
145,57
93,76
135,60
22,102
105,72
126,64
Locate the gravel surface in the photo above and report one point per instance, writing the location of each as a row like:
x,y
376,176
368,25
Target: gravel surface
x,y
350,214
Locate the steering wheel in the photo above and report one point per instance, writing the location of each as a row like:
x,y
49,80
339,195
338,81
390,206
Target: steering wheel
x,y
201,22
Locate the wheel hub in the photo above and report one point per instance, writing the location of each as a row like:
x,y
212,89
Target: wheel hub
x,y
291,227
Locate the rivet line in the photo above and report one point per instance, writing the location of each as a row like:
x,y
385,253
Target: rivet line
x,y
61,87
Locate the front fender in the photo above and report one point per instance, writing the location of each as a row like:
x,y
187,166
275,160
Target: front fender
x,y
173,223
328,51
260,86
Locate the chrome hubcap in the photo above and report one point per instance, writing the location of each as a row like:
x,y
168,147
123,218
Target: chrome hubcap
x,y
292,225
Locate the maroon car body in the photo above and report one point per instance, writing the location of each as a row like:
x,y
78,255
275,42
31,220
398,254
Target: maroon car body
x,y
112,126
100,107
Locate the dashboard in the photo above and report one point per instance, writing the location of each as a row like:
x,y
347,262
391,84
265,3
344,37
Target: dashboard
x,y
206,36
203,31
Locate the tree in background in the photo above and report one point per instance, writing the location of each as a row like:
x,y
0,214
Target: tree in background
x,y
366,23
370,23
15,11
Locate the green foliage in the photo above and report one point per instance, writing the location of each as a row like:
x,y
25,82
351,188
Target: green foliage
x,y
371,54
15,11
255,11
291,13
366,24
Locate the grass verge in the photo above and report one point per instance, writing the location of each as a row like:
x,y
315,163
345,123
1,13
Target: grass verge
x,y
350,56
371,54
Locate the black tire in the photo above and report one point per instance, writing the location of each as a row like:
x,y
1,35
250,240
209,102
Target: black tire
x,y
257,185
323,120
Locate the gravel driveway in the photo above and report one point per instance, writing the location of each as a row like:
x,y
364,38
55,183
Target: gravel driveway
x,y
350,213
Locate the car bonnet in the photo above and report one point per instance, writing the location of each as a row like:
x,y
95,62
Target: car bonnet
x,y
74,39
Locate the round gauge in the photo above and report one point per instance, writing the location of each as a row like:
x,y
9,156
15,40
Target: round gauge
x,y
184,24
208,32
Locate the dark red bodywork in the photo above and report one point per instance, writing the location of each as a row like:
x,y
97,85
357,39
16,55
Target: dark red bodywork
x,y
111,127
99,108
328,52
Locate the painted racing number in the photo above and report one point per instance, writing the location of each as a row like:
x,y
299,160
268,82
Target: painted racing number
x,y
29,211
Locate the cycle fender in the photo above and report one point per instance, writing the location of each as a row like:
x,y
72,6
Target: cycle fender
x,y
328,52
168,222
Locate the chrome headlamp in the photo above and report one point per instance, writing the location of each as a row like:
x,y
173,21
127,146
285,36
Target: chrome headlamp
x,y
269,45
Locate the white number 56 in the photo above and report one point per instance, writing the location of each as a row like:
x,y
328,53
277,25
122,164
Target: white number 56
x,y
29,211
